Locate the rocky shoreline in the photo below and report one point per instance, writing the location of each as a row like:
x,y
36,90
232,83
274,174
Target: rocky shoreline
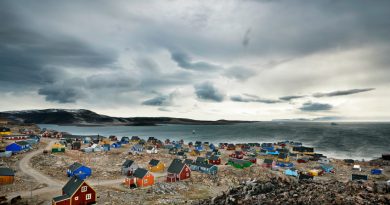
x,y
284,190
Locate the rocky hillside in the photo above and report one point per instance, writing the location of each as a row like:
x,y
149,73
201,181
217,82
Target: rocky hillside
x,y
87,117
285,191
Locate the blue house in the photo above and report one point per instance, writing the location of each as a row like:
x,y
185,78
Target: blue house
x,y
125,140
137,148
18,146
273,152
327,168
212,146
199,148
376,171
291,172
116,145
79,170
106,147
208,168
284,164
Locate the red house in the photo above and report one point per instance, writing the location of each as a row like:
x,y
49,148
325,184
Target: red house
x,y
140,178
76,192
268,163
178,171
231,147
237,155
215,160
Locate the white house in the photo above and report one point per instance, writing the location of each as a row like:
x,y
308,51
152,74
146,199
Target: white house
x,y
151,150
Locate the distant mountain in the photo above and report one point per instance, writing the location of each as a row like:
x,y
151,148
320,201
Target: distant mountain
x,y
84,117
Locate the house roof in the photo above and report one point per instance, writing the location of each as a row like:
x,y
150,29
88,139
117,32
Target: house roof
x,y
73,184
214,157
127,163
239,161
282,155
268,161
5,171
75,166
149,148
200,159
140,173
188,161
21,143
176,166
154,162
61,198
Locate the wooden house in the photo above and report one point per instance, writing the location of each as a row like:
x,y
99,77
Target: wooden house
x,y
113,138
216,160
125,140
5,131
156,166
239,163
237,155
181,155
268,163
204,168
231,147
327,168
76,192
291,172
137,148
79,170
116,145
140,178
135,139
151,150
194,153
7,176
283,157
76,145
303,150
252,159
128,167
57,147
18,146
152,140
178,171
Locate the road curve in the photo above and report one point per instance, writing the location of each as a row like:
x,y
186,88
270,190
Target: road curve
x,y
53,185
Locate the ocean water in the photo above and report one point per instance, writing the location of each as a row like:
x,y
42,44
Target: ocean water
x,y
345,140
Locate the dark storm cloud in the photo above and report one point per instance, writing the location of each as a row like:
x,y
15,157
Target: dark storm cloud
x,y
253,98
291,97
184,61
314,107
206,91
342,92
60,95
240,73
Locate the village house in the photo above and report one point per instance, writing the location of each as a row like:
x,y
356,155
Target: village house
x,y
156,166
76,192
5,131
268,163
135,139
116,145
113,138
237,155
291,172
303,150
125,140
283,157
216,160
136,149
239,163
7,176
128,167
79,170
178,171
18,146
194,153
151,150
57,147
76,145
231,147
140,178
181,155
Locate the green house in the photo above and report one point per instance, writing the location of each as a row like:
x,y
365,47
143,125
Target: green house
x,y
239,163
58,149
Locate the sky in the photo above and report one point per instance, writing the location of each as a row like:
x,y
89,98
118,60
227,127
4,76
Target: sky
x,y
232,59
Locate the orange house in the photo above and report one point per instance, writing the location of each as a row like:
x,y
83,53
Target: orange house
x,y
156,166
140,178
7,175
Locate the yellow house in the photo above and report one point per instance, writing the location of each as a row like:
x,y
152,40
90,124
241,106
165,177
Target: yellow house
x,y
105,141
58,147
156,166
195,153
5,131
283,157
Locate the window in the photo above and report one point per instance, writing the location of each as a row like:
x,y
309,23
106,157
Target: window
x,y
187,174
84,189
145,180
88,196
76,198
